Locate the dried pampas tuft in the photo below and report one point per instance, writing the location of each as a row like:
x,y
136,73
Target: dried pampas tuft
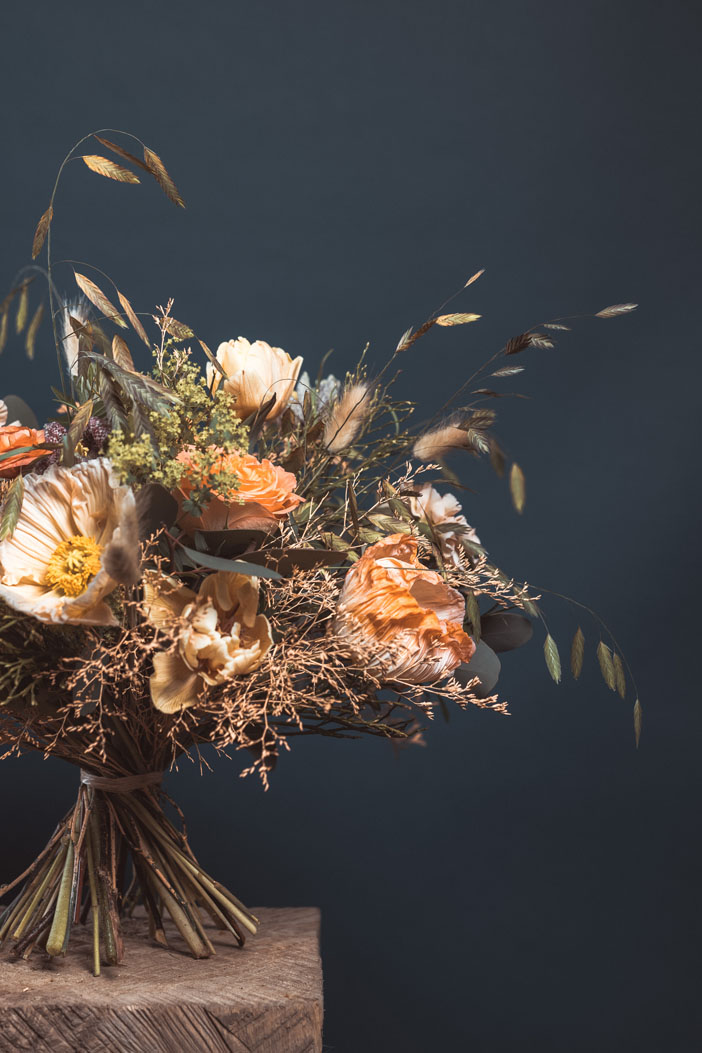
x,y
122,557
436,444
346,417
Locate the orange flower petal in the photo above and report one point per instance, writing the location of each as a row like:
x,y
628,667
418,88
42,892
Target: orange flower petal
x,y
15,437
399,618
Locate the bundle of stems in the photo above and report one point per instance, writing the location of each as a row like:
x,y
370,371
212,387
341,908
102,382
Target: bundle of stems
x,y
115,848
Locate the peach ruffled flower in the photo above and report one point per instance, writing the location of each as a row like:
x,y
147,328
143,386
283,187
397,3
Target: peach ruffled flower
x,y
264,496
399,619
219,635
254,374
445,511
16,437
67,551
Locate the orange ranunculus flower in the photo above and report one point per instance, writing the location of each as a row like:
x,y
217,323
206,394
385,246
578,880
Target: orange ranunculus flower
x,y
16,437
399,619
265,495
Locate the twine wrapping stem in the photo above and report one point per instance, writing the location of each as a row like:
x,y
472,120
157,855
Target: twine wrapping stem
x,y
122,783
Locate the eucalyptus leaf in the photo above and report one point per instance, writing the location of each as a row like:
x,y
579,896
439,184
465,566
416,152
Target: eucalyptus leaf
x,y
506,630
484,664
17,409
232,566
24,449
286,560
157,508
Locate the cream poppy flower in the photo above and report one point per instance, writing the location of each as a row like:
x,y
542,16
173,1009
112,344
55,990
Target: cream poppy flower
x,y
255,372
75,540
399,619
220,635
438,510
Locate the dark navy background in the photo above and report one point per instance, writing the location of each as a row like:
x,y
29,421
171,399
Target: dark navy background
x,y
528,882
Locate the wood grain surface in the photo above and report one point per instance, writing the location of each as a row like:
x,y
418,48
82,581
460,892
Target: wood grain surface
x,y
266,997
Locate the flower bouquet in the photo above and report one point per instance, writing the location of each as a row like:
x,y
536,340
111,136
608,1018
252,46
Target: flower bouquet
x,y
216,549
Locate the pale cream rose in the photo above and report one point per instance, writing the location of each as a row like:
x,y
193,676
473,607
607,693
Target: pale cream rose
x,y
255,372
219,635
399,619
75,527
438,510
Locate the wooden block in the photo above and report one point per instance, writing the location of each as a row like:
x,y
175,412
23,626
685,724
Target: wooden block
x,y
266,997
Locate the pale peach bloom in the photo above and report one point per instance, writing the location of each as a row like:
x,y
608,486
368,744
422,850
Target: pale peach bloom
x,y
438,510
399,619
58,565
219,635
17,437
254,373
265,495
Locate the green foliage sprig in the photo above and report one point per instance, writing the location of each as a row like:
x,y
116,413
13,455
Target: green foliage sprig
x,y
205,425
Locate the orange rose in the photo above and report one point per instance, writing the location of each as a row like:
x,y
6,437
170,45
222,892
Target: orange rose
x,y
16,437
264,496
399,619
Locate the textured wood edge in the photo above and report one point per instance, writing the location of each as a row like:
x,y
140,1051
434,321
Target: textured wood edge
x,y
266,997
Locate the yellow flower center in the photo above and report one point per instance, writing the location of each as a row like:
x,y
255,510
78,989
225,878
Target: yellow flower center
x,y
72,565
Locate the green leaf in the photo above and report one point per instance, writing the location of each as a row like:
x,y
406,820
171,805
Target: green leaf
x,y
22,309
497,458
473,612
114,410
213,359
75,432
400,509
12,508
97,297
619,675
517,487
577,653
23,449
553,659
386,524
469,544
604,657
31,337
121,353
637,722
353,506
234,566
